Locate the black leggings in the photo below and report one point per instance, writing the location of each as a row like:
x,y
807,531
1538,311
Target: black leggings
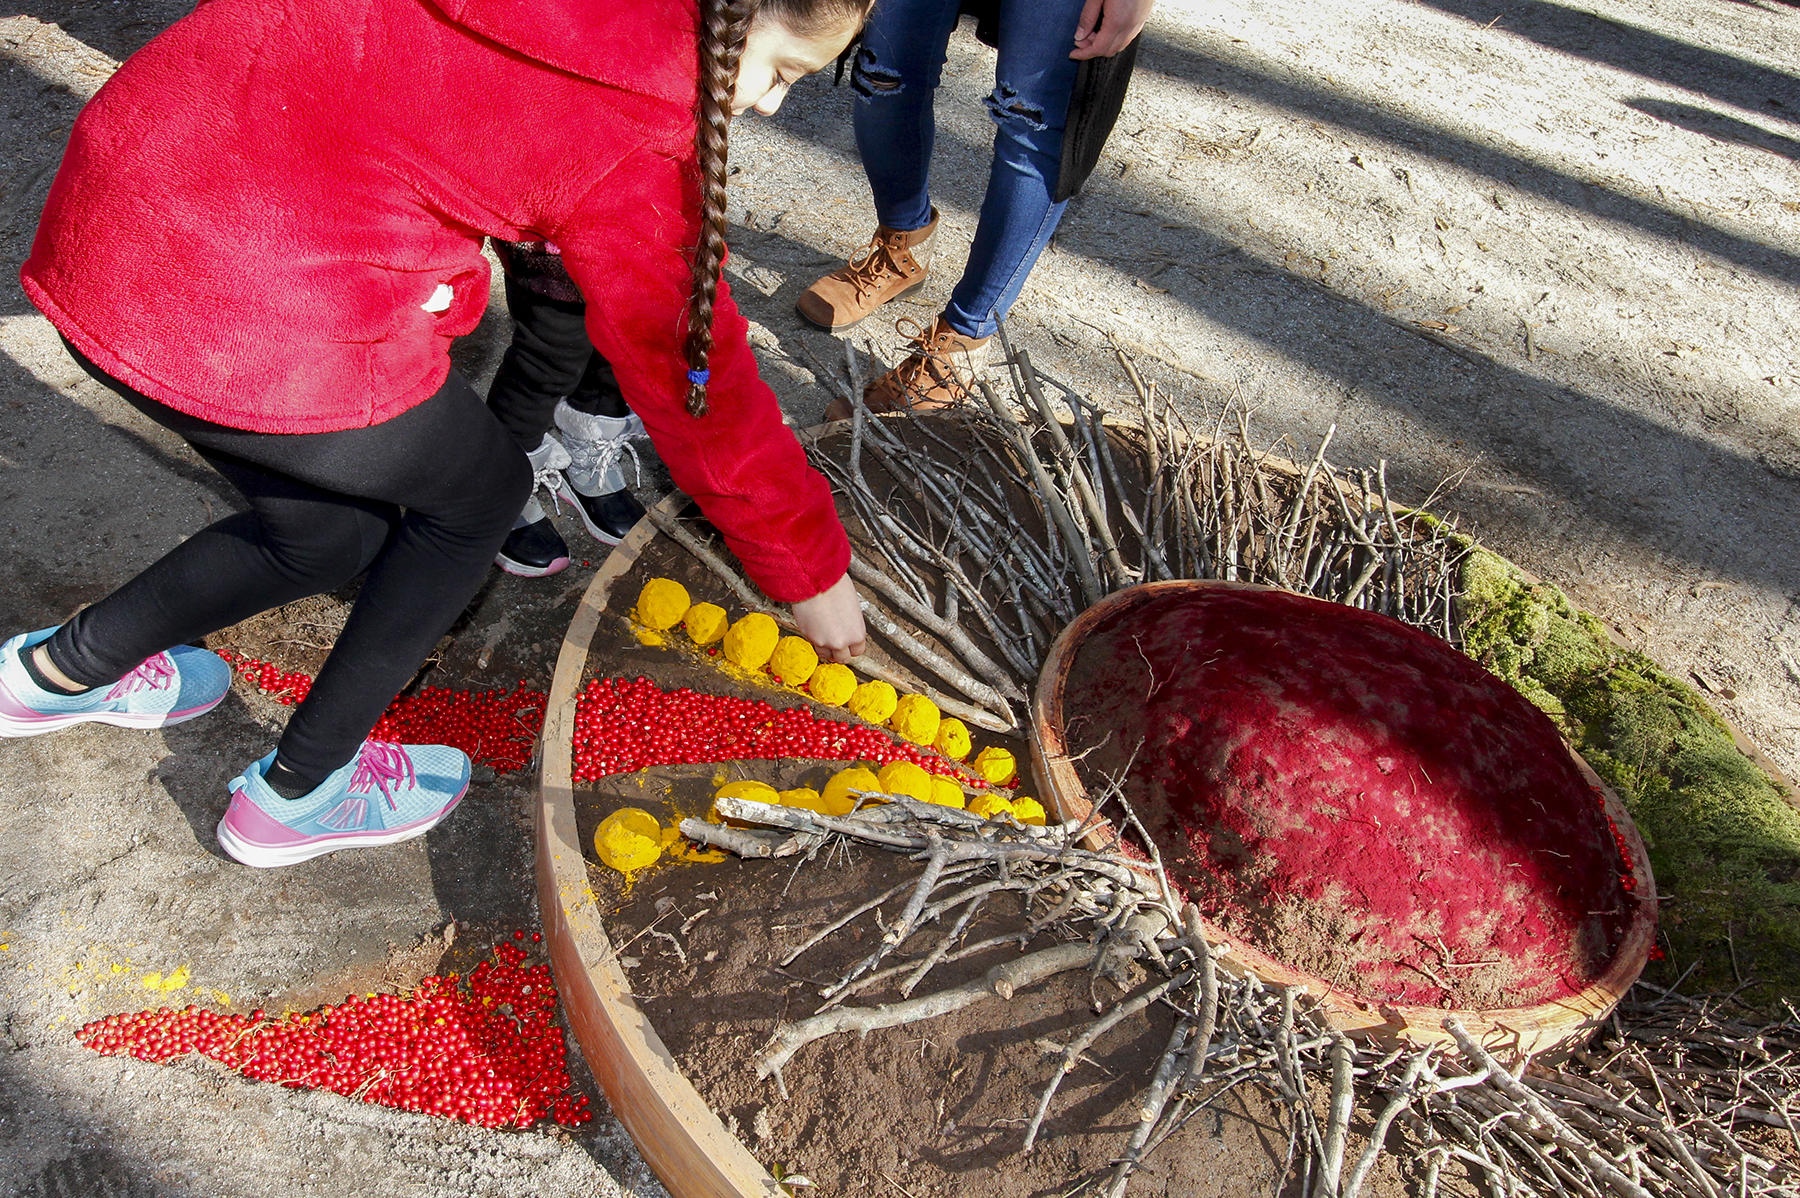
x,y
421,502
550,358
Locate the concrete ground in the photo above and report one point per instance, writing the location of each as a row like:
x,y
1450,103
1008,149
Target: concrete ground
x,y
1549,248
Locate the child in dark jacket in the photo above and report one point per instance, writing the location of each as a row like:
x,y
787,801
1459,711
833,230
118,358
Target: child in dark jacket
x,y
551,373
322,174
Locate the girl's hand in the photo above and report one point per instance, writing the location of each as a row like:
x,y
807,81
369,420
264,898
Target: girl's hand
x,y
1107,26
832,620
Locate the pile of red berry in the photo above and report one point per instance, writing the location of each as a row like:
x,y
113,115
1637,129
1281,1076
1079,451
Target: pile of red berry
x,y
483,1049
495,728
624,725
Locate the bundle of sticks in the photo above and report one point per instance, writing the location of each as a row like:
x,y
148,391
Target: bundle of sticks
x,y
1008,519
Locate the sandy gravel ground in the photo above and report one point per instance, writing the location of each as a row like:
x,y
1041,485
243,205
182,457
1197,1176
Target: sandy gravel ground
x,y
1549,249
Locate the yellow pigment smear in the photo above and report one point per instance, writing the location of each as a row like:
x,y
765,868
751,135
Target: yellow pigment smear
x,y
751,641
832,684
837,799
705,623
874,701
905,778
953,738
629,839
794,660
946,792
661,604
995,765
1028,810
916,718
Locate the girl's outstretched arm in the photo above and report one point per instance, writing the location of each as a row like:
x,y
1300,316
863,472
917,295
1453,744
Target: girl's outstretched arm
x,y
627,245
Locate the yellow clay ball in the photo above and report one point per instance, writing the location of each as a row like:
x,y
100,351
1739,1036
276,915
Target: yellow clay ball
x,y
751,641
946,792
874,701
706,623
905,778
805,798
837,799
995,765
662,603
1028,810
916,718
750,791
794,660
989,806
953,738
832,684
628,839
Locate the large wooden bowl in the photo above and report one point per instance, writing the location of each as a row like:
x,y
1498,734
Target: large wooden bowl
x,y
1514,1032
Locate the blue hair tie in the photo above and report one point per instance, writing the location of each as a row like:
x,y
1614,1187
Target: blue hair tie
x,y
699,377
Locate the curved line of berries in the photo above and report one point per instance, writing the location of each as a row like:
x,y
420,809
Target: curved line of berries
x,y
485,1049
625,725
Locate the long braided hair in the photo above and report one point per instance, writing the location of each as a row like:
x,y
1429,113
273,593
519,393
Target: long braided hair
x,y
724,26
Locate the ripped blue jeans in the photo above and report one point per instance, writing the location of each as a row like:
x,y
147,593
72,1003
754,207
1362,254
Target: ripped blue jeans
x,y
896,74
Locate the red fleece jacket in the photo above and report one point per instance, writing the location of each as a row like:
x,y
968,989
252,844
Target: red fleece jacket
x,y
255,212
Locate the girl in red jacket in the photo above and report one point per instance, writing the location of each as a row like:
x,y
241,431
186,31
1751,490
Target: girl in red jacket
x,y
264,235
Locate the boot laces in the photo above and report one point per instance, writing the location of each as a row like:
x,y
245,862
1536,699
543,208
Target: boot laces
x,y
379,765
153,673
600,455
871,264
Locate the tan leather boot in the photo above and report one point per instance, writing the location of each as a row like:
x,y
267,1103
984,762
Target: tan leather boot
x,y
941,371
890,266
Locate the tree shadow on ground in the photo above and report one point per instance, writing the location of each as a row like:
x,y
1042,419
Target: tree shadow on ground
x,y
1717,126
1184,59
1639,51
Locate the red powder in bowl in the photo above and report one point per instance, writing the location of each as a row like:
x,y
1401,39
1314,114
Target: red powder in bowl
x,y
1352,796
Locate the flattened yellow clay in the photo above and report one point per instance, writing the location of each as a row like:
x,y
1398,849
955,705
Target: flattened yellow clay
x,y
990,806
946,792
805,798
953,738
832,684
794,660
750,642
661,604
996,765
705,623
1028,810
916,718
681,848
905,778
874,701
628,839
837,799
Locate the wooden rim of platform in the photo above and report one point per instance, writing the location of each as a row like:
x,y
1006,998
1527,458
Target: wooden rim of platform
x,y
1517,1032
681,1138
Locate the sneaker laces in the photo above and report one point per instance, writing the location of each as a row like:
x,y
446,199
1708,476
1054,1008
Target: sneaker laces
x,y
547,472
600,455
380,764
153,673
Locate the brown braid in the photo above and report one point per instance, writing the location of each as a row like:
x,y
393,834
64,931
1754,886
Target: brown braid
x,y
724,24
723,27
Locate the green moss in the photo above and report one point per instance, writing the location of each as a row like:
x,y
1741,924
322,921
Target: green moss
x,y
1724,840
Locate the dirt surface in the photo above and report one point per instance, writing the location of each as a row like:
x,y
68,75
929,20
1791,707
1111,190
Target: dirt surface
x,y
1553,247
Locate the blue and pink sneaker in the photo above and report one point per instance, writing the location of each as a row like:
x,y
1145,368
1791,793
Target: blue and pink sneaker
x,y
165,689
389,793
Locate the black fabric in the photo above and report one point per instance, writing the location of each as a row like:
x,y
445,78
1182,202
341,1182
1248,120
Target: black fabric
x,y
1094,108
550,358
421,502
